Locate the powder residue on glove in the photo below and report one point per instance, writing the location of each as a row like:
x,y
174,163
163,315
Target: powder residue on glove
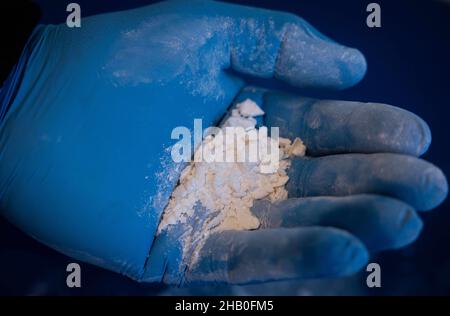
x,y
227,190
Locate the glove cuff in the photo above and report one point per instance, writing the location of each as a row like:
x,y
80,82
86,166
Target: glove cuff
x,y
11,85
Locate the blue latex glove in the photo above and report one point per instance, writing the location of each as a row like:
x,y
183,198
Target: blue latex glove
x,y
85,162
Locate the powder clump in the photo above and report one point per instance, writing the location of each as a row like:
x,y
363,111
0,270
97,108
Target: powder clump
x,y
227,190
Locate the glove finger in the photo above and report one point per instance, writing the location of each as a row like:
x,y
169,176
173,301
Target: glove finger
x,y
332,127
379,222
268,44
241,257
412,180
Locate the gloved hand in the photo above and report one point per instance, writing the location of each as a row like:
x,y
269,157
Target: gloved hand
x,y
85,162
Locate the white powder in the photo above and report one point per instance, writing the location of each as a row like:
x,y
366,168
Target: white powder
x,y
249,108
227,190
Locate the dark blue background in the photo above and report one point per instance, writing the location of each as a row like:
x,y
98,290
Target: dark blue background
x,y
409,66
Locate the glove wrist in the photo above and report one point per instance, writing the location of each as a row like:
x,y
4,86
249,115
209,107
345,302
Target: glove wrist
x,y
13,82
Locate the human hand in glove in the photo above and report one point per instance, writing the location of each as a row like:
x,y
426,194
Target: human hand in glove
x,y
85,128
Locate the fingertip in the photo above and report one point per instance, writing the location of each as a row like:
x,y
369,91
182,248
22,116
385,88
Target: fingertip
x,y
311,61
435,183
353,67
358,258
413,136
394,224
350,255
425,136
337,253
350,61
409,227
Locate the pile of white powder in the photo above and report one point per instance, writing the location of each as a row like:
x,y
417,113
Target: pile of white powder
x,y
227,190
